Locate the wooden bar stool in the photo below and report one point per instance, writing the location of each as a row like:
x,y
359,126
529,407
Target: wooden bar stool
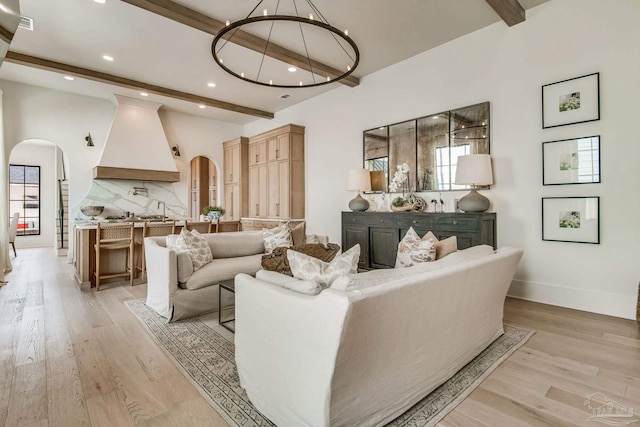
x,y
151,229
201,226
114,237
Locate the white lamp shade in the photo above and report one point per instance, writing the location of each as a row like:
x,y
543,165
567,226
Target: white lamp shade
x,y
358,180
474,169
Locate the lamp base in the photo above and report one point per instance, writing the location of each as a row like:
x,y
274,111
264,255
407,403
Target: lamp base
x,y
473,202
358,204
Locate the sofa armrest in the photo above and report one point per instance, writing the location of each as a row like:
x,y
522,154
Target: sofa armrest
x,y
285,361
162,276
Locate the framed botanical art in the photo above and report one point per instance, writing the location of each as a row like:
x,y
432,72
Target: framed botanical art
x,y
571,219
571,161
571,101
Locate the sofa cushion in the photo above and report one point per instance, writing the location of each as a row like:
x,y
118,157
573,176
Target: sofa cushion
x,y
222,269
196,246
350,282
235,244
444,247
306,267
277,237
277,260
412,249
308,287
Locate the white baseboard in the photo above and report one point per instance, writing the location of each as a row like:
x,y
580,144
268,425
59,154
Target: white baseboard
x,y
580,299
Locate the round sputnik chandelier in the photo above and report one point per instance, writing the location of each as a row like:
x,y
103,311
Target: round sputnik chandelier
x,y
290,45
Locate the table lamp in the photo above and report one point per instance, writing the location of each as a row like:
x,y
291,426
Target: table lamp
x,y
474,170
358,180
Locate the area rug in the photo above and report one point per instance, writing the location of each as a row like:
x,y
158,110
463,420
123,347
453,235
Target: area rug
x,y
204,353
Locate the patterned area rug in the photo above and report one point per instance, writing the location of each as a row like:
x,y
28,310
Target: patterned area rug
x,y
204,352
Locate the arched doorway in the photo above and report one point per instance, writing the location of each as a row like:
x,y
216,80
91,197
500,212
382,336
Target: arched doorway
x,y
203,176
38,191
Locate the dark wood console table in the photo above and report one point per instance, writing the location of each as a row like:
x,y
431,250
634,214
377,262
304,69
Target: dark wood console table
x,y
379,233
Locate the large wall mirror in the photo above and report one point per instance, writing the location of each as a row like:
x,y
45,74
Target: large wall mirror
x,y
429,145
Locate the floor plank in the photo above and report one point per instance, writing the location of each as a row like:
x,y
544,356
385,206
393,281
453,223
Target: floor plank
x,y
80,358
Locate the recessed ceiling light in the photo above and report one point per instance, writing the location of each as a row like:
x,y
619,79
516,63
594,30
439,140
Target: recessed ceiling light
x,y
292,69
202,106
211,84
144,94
99,1
69,78
107,57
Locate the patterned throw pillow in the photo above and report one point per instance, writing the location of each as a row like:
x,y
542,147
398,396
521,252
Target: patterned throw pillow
x,y
305,267
197,247
412,249
277,237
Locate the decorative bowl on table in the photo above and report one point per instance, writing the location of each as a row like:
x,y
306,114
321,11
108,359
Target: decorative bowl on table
x,y
92,211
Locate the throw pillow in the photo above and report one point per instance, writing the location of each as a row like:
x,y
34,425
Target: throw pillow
x,y
305,267
443,247
412,249
197,247
298,234
277,260
277,237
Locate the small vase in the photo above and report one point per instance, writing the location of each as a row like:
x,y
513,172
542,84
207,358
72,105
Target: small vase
x,y
404,208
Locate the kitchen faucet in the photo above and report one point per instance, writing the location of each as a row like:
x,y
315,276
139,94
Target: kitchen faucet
x,y
164,209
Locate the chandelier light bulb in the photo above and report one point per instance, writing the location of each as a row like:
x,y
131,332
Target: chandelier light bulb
x,y
348,67
311,16
270,82
242,74
328,78
264,12
300,82
346,32
227,23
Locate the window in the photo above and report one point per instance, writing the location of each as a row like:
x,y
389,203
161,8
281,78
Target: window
x,y
446,163
24,198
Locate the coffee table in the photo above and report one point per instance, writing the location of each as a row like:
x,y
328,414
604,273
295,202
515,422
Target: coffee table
x,y
228,321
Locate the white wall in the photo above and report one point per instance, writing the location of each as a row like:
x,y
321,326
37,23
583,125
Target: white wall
x,y
507,66
43,155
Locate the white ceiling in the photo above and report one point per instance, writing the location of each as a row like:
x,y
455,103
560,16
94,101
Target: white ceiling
x,y
153,49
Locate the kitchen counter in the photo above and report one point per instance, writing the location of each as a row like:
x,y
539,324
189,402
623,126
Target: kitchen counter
x,y
92,225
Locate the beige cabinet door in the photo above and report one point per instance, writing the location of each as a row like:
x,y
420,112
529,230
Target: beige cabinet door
x,y
278,190
258,152
232,202
278,148
232,164
258,191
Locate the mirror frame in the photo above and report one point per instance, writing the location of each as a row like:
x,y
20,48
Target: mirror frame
x,y
459,126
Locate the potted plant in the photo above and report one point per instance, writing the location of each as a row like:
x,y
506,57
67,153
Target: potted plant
x,y
213,212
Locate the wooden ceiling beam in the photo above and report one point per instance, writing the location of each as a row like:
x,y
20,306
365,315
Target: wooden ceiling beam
x,y
97,76
199,21
511,11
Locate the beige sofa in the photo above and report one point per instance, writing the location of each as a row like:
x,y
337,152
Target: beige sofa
x,y
175,291
365,350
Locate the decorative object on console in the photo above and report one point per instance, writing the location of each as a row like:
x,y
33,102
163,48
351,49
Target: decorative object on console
x,y
571,101
571,161
416,201
412,249
400,182
92,211
213,212
358,180
571,219
474,170
314,34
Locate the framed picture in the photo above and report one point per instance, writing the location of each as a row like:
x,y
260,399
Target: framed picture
x,y
571,219
571,161
571,101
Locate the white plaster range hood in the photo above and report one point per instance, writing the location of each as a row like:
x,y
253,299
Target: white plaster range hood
x,y
136,146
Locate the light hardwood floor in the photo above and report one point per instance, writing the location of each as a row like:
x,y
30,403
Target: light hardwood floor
x,y
71,358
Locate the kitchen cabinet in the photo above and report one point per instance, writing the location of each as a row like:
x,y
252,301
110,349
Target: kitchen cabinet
x,y
276,173
378,233
236,180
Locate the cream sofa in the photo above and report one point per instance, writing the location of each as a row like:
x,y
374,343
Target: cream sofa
x,y
175,291
363,354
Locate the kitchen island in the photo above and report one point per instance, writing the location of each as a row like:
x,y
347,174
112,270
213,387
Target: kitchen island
x,y
84,254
